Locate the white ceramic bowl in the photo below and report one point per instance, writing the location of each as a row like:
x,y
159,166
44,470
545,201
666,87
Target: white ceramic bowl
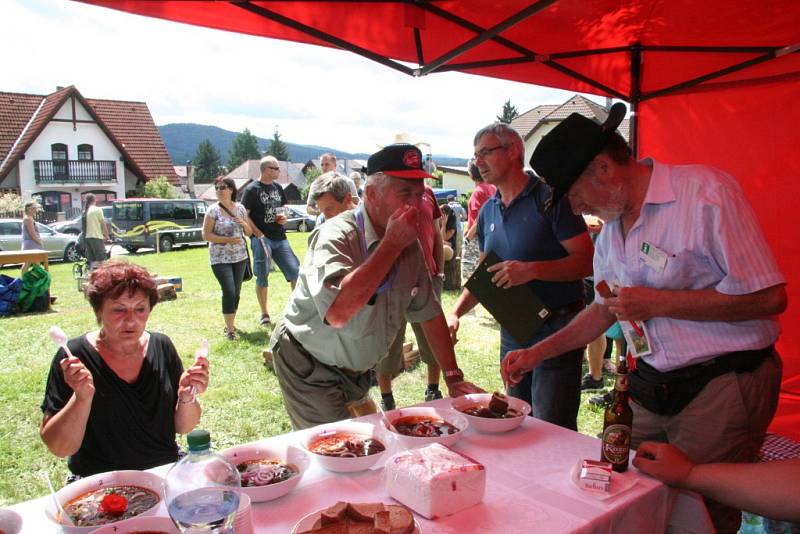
x,y
347,465
140,523
288,454
10,521
453,417
142,479
486,424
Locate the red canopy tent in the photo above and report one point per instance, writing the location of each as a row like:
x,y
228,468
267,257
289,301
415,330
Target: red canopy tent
x,y
708,82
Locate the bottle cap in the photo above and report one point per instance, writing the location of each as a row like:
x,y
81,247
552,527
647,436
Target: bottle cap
x,y
198,440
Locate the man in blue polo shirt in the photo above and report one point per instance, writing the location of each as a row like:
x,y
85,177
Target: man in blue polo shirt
x,y
549,250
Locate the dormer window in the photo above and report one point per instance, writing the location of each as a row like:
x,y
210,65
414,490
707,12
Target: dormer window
x,y
58,151
85,153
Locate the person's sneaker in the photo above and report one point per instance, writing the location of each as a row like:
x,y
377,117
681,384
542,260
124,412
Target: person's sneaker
x,y
264,319
432,394
588,382
387,403
601,400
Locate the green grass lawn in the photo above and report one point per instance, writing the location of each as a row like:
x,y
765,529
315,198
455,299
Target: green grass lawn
x,y
243,402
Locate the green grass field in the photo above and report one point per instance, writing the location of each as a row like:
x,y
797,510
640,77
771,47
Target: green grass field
x,y
243,402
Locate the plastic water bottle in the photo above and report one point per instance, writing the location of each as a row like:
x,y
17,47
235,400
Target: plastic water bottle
x,y
202,489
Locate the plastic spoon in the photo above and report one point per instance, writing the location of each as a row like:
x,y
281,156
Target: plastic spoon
x,y
386,421
62,513
201,352
60,338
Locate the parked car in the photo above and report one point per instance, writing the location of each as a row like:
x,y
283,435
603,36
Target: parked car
x,y
299,219
73,226
141,222
59,246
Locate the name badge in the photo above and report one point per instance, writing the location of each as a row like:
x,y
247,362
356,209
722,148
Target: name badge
x,y
654,257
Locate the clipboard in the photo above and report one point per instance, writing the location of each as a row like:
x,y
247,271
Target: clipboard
x,y
518,309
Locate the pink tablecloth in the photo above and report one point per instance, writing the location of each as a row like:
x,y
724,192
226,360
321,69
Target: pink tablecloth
x,y
528,489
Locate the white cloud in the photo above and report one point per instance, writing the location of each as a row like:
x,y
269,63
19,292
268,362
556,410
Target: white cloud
x,y
314,95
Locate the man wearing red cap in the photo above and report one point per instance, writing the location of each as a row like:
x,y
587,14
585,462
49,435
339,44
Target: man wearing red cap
x,y
698,291
363,274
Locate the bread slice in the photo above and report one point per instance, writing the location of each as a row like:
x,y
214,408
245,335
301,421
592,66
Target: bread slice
x,y
382,524
339,528
364,511
358,527
400,519
333,514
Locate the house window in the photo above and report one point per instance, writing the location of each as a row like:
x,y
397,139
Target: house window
x,y
85,153
58,151
102,197
53,201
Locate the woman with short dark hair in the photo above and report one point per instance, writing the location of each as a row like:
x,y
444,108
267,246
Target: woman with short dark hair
x,y
224,227
118,400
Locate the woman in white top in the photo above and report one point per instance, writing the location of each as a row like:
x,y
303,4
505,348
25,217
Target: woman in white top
x,y
224,227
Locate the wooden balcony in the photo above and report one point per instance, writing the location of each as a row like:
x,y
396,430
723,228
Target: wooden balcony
x,y
73,171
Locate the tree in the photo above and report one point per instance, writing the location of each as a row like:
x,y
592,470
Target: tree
x,y
11,202
509,112
311,174
278,148
207,163
243,148
158,188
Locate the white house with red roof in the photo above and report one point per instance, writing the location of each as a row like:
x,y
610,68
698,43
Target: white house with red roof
x,y
56,148
535,123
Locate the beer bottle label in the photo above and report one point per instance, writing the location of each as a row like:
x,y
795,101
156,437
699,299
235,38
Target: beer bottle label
x,y
622,382
616,443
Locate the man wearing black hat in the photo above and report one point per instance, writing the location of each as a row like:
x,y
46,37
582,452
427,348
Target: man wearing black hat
x,y
549,251
363,275
697,292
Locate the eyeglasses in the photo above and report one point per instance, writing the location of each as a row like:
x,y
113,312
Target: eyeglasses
x,y
273,168
484,152
221,187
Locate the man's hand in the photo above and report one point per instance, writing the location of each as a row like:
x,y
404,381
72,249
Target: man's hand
x,y
511,273
457,389
517,363
665,462
452,325
635,303
281,219
402,228
78,377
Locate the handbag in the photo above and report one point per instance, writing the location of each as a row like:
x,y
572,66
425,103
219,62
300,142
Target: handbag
x,y
248,267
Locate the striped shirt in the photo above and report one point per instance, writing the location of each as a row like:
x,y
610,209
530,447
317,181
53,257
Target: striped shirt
x,y
699,217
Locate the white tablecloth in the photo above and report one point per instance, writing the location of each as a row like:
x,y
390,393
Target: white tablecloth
x,y
528,489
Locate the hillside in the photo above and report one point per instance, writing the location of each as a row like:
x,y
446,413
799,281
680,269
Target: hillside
x,y
181,141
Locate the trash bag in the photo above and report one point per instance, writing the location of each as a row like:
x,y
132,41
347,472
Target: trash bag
x,y
35,283
9,294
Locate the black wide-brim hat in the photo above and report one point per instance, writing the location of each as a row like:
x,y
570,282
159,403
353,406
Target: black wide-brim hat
x,y
564,153
399,160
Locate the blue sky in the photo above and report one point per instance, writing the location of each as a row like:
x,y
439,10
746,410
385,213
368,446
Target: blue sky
x,y
313,95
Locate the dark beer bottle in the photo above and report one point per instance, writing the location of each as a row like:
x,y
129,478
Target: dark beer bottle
x,y
617,423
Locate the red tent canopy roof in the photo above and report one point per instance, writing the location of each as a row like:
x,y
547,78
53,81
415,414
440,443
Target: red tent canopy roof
x,y
712,82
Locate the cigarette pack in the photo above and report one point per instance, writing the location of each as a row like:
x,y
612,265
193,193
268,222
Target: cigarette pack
x,y
595,476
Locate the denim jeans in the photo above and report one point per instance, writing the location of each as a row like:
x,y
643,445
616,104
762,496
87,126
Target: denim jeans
x,y
278,251
553,388
230,276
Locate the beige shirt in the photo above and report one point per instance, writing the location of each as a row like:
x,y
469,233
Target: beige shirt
x,y
94,223
335,250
